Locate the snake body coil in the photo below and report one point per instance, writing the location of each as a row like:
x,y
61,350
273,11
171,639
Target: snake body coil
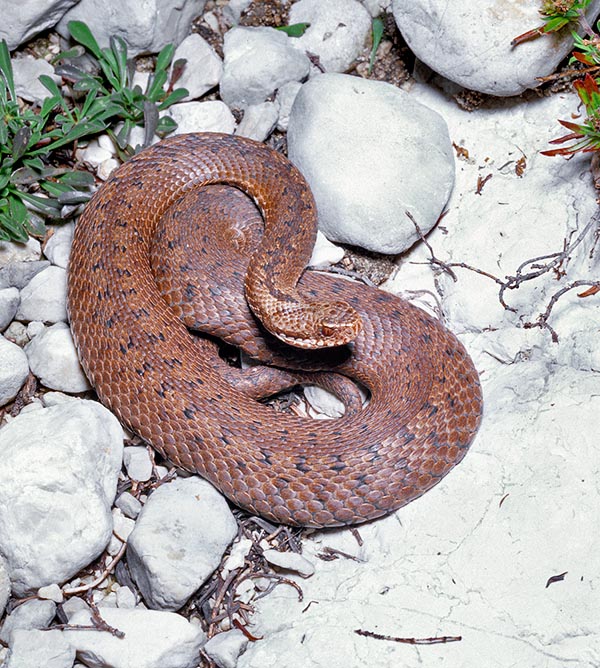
x,y
167,386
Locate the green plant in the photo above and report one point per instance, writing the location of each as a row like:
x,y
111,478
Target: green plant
x,y
377,29
294,30
556,14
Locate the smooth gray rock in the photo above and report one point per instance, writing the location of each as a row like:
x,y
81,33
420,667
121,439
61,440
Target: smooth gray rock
x,y
178,541
4,585
27,71
210,116
57,483
11,251
337,32
32,649
18,274
53,359
203,68
128,505
225,648
370,154
9,303
153,639
23,20
14,370
470,42
34,614
257,62
259,121
146,26
58,246
285,99
137,462
44,298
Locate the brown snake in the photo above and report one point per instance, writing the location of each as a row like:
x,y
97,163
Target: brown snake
x,y
173,390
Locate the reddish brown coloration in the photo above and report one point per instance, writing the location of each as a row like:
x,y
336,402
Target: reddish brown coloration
x,y
170,387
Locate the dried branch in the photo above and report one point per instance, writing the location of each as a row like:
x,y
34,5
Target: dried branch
x,y
409,641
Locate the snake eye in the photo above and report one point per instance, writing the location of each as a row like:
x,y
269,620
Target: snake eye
x,y
327,330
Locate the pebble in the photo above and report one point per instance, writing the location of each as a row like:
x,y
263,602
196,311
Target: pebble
x,y
225,648
178,541
337,32
146,27
339,137
203,68
238,553
126,598
9,303
285,99
211,116
17,274
325,253
259,121
137,462
128,505
57,482
26,71
257,61
73,605
290,561
93,155
122,527
32,649
470,42
53,359
153,639
23,20
45,297
51,592
58,246
4,585
14,370
106,168
11,251
33,614
16,332
36,327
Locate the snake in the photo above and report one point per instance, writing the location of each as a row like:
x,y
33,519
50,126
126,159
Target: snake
x,y
132,299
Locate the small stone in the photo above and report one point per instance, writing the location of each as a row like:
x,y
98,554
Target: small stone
x,y
53,359
137,462
51,592
21,21
45,297
18,274
34,328
203,68
26,71
107,167
225,648
58,246
325,253
12,251
16,333
14,370
290,561
4,585
9,303
259,121
128,505
93,155
285,98
73,605
126,598
212,116
238,553
33,614
32,649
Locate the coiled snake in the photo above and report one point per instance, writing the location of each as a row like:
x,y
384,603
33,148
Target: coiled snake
x,y
175,391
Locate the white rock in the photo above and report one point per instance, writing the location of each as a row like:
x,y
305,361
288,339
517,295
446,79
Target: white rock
x,y
9,303
106,168
14,370
104,141
93,155
178,541
11,251
325,253
337,32
32,649
370,153
290,561
53,359
45,297
285,99
51,592
32,614
27,71
57,484
377,7
16,332
122,527
18,274
259,121
323,402
126,598
153,639
225,648
128,505
4,585
137,462
21,21
257,62
211,116
146,27
234,8
470,42
73,605
203,68
58,246
238,553
36,327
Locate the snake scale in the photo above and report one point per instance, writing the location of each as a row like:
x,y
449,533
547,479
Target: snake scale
x,y
174,390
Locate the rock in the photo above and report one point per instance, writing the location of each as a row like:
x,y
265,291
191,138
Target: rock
x,y
14,370
212,116
153,639
73,605
290,561
11,251
257,62
122,527
21,21
31,649
234,8
364,183
36,327
16,332
57,484
53,359
137,462
18,274
285,99
27,71
58,246
32,614
225,648
178,541
9,303
51,592
203,68
93,155
376,7
146,27
106,168
325,253
240,549
337,32
128,505
259,121
4,585
126,598
44,298
470,42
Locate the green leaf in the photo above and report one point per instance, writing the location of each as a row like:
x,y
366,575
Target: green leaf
x,y
156,86
378,29
45,205
82,34
21,142
165,125
73,197
76,52
6,69
150,122
163,60
175,96
295,30
119,51
78,179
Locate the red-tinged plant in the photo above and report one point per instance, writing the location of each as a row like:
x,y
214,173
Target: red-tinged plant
x,y
556,15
